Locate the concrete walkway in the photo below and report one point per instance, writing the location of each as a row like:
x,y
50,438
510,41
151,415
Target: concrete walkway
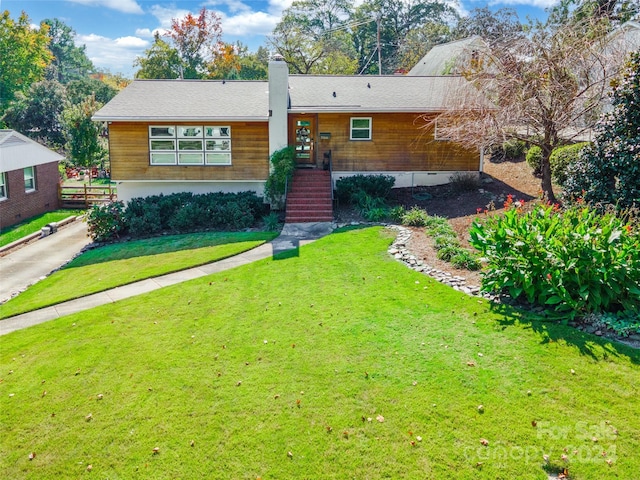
x,y
291,237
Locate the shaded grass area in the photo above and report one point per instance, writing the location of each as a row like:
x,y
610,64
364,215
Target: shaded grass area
x,y
329,364
34,224
118,264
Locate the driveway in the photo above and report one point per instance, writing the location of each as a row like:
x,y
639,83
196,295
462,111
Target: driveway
x,y
27,265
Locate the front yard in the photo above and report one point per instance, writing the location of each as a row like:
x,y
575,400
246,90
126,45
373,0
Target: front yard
x,y
338,362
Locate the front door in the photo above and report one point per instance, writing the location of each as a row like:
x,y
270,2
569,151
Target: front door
x,y
303,140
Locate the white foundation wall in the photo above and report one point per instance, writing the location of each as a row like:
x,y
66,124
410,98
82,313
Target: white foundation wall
x,y
408,179
131,189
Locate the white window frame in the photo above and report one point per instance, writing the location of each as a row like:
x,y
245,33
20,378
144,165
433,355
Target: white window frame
x,y
360,129
31,177
179,145
3,186
438,137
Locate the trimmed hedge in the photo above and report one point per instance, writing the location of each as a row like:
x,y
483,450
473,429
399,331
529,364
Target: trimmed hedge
x,y
176,213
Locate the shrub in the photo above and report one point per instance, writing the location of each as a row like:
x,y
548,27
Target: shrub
x,y
561,157
466,259
271,222
185,212
445,240
106,222
396,213
447,252
534,159
283,165
513,149
465,181
416,217
377,186
572,262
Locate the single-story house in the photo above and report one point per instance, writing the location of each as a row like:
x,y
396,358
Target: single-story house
x,y
167,136
29,178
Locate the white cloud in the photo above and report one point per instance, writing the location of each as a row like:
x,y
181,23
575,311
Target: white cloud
x,y
233,6
529,3
125,6
249,23
115,54
165,15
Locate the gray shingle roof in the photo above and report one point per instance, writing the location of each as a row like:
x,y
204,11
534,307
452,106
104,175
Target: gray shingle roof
x,y
177,100
309,93
189,100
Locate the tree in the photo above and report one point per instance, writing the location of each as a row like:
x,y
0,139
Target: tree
x,y
419,41
608,172
160,61
394,20
37,113
313,37
196,39
78,90
616,12
545,89
69,61
490,25
84,145
24,56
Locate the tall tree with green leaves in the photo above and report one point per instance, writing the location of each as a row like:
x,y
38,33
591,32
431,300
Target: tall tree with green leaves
x,y
391,21
314,37
70,62
160,61
24,55
78,90
37,113
616,12
84,145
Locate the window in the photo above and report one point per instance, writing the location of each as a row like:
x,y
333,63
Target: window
x,y
29,179
190,145
438,134
360,128
3,186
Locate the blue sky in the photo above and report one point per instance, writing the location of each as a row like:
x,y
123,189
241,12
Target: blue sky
x,y
116,31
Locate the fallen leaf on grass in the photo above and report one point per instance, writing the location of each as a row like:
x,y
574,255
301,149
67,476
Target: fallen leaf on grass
x,y
484,441
289,454
32,455
380,418
471,364
156,450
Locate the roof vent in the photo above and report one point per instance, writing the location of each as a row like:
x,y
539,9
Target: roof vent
x,y
334,94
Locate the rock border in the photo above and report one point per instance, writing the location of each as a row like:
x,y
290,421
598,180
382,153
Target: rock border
x,y
400,252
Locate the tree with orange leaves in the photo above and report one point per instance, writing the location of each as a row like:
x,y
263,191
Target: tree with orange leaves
x,y
197,39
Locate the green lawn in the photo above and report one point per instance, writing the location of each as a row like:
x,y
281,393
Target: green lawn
x,y
34,224
329,364
121,263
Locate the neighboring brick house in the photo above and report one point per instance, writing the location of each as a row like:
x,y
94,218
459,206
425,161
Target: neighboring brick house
x,y
29,178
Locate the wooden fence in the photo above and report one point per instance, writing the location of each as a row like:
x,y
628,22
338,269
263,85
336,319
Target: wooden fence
x,y
86,196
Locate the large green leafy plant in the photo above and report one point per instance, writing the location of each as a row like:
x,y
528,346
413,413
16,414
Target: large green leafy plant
x,y
572,262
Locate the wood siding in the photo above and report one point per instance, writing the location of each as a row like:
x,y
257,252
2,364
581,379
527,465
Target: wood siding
x,y
129,154
398,144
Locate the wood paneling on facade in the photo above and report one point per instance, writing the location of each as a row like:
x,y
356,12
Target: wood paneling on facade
x,y
398,144
129,154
